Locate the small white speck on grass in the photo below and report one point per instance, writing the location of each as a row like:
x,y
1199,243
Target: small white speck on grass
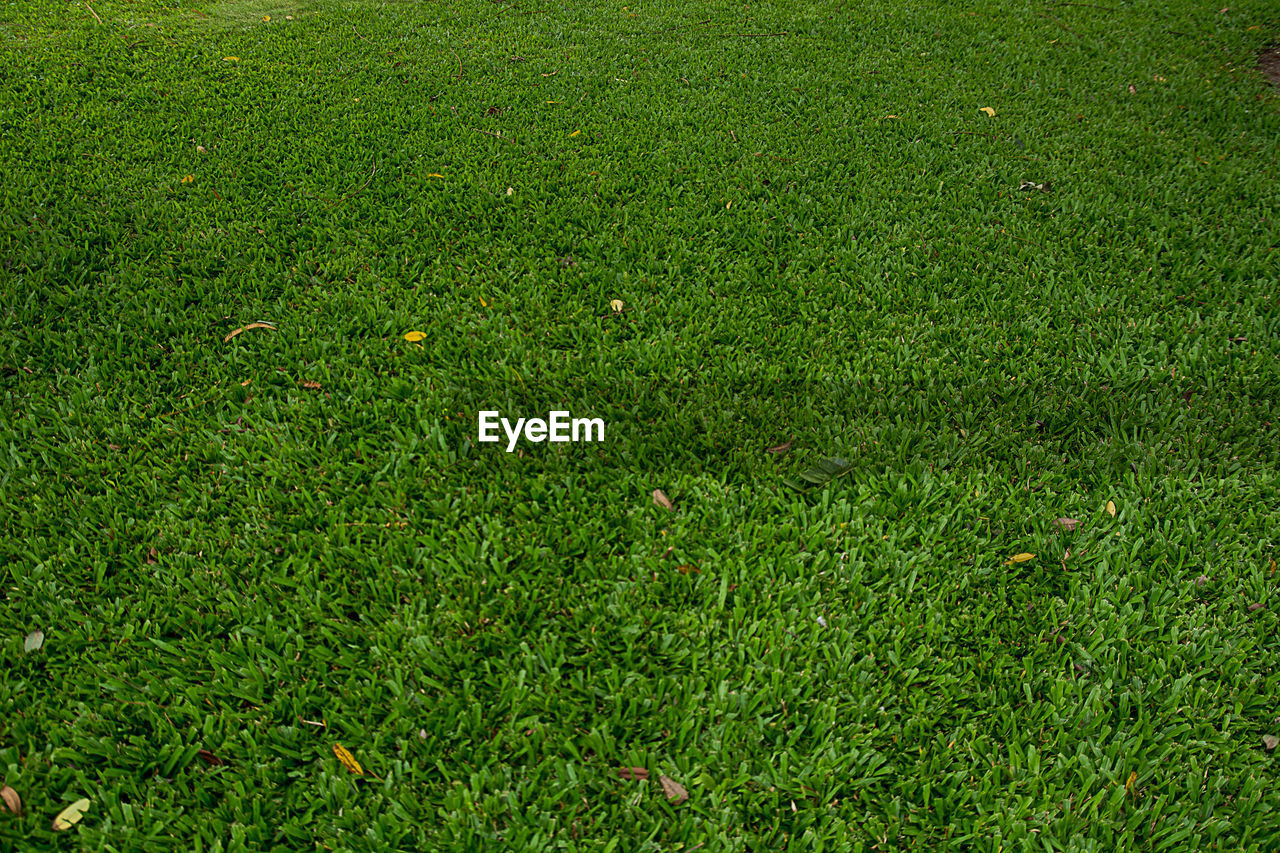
x,y
822,622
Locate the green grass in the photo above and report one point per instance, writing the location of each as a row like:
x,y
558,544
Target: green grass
x,y
818,237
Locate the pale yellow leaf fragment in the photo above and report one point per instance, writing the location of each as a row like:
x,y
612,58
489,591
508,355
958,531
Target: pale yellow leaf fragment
x,y
575,133
989,111
1111,508
1021,558
230,59
71,815
414,337
616,305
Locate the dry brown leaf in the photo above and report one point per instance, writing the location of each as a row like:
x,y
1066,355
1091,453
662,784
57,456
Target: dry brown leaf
x,y
348,760
780,449
247,328
209,758
11,800
660,499
688,569
1257,605
1111,508
1067,523
675,792
71,815
630,774
311,384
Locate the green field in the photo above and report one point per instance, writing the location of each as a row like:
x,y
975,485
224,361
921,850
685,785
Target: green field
x,y
1015,262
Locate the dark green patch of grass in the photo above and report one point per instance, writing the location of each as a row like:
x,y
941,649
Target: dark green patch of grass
x,y
818,237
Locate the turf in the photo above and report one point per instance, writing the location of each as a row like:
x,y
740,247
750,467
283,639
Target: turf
x,y
243,552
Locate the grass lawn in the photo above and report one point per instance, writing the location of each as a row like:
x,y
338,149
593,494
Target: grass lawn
x,y
1016,262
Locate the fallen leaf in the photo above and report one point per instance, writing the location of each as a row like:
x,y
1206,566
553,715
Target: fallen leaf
x,y
575,133
630,774
209,758
511,191
675,792
230,59
348,760
311,384
71,815
266,19
989,111
1111,508
1257,605
1021,558
414,337
1128,785
247,328
1269,741
1133,90
200,149
33,642
688,569
1067,523
186,179
819,475
616,305
728,204
779,449
11,799
434,175
660,499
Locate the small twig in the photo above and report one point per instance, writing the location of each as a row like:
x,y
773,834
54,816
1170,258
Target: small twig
x,y
457,76
1090,6
495,135
91,12
357,32
372,172
969,132
756,35
1056,21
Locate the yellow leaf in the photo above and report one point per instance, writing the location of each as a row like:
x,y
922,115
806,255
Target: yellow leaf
x,y
186,179
414,337
1021,558
616,305
483,304
575,133
230,59
266,18
1111,508
71,815
728,204
348,760
989,111
1128,785
434,175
